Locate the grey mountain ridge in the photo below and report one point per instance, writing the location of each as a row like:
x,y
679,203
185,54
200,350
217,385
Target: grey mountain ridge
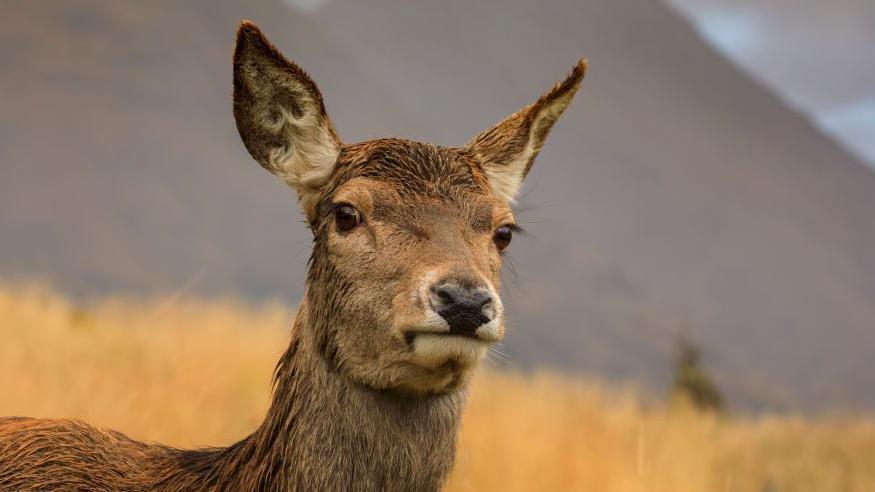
x,y
675,194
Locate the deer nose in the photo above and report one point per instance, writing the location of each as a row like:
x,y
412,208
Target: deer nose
x,y
463,308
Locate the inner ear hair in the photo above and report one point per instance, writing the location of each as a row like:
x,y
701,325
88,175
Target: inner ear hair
x,y
281,116
507,150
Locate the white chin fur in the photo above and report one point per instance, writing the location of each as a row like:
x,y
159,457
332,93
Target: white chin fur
x,y
491,332
433,351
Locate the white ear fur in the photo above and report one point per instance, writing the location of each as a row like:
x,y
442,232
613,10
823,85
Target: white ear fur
x,y
506,180
281,117
306,162
507,150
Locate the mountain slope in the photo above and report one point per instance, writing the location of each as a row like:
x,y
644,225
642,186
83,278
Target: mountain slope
x,y
679,194
675,194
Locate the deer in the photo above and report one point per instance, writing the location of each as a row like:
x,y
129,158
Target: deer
x,y
401,305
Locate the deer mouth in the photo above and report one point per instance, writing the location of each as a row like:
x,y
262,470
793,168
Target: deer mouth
x,y
412,335
438,353
440,350
486,333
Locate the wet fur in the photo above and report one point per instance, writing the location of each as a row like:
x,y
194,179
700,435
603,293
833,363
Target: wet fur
x,y
350,410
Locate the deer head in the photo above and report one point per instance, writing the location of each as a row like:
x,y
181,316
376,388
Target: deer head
x,y
403,285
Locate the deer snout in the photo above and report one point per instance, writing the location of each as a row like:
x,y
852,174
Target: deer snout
x,y
465,309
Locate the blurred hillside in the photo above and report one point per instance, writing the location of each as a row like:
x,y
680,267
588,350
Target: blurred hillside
x,y
815,55
676,194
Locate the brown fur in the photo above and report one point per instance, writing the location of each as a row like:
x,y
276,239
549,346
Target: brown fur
x,y
364,399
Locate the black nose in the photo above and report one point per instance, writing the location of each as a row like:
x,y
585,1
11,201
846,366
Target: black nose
x,y
461,307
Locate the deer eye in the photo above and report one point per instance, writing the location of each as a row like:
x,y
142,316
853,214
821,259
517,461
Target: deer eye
x,y
502,236
346,217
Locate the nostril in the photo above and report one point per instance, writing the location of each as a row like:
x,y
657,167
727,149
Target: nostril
x,y
464,309
481,299
446,294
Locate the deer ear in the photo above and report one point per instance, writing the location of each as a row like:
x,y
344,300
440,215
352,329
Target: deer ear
x,y
507,150
281,117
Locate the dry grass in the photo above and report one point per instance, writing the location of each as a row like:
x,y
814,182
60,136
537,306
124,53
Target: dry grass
x,y
197,373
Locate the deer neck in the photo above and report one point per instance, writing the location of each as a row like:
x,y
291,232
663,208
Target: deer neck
x,y
324,431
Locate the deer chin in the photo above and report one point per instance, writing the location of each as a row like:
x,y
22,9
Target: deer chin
x,y
446,352
440,363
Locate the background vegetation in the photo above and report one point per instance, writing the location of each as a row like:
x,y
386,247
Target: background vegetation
x,y
192,373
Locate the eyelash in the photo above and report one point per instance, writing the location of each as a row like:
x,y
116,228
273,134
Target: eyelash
x,y
516,229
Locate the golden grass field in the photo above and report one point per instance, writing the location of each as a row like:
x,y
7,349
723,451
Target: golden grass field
x,y
193,373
